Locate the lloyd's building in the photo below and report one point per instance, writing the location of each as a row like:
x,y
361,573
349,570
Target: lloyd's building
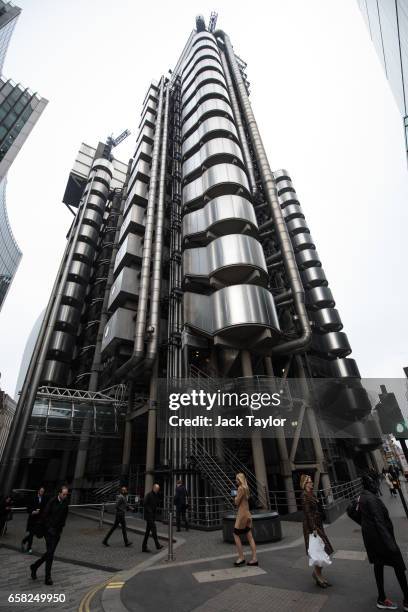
x,y
195,260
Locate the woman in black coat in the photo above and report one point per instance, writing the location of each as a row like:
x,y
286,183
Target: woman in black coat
x,y
379,541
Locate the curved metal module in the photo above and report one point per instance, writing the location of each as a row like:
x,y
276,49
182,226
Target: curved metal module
x,y
328,341
219,226
227,260
227,214
62,342
239,314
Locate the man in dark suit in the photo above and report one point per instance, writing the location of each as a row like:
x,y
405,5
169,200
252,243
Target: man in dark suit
x,y
35,509
181,503
6,512
151,501
53,519
120,519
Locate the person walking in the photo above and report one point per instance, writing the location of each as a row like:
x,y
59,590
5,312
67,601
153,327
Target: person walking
x,y
54,518
120,518
390,483
6,513
34,526
380,543
181,503
151,501
243,522
313,525
394,471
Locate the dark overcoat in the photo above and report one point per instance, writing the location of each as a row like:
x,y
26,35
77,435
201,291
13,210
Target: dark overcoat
x,y
378,532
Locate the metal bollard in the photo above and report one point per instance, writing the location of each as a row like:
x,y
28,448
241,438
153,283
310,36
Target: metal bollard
x,y
101,516
170,555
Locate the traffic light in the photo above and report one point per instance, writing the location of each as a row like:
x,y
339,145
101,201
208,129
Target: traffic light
x,y
390,415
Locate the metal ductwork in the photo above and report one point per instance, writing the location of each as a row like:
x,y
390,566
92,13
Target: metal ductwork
x,y
144,291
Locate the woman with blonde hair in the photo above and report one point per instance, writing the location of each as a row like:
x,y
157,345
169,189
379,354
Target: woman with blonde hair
x,y
243,522
313,525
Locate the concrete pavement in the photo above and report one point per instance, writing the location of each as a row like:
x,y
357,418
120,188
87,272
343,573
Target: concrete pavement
x,y
284,584
201,578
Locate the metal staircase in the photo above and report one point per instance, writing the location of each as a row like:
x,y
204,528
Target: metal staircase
x,y
107,492
221,473
212,470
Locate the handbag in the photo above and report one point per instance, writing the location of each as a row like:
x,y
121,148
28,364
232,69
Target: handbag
x,y
354,512
39,530
317,555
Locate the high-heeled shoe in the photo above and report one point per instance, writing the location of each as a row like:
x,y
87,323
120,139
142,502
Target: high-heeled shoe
x,y
319,582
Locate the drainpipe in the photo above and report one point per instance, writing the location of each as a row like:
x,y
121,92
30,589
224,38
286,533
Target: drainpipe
x,y
301,343
240,126
140,327
15,440
154,317
83,445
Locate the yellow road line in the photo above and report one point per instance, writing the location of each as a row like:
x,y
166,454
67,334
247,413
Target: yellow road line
x,y
84,606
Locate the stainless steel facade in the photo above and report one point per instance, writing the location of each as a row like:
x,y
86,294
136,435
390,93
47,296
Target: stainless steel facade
x,y
199,264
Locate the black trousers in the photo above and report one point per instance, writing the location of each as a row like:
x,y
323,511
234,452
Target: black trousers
x,y
28,539
150,529
51,540
181,515
119,520
401,577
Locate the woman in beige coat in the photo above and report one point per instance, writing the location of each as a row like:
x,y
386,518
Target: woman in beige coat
x,y
243,522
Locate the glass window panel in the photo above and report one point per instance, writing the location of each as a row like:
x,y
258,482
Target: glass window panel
x,y
390,37
82,412
105,419
375,28
402,7
59,416
39,414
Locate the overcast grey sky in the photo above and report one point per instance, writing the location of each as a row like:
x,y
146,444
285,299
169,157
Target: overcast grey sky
x,y
324,109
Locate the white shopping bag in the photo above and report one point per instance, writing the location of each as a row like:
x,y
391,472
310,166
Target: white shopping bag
x,y
317,554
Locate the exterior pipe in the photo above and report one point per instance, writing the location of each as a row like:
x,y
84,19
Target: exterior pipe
x,y
273,258
301,343
281,297
140,327
240,126
15,440
154,317
265,225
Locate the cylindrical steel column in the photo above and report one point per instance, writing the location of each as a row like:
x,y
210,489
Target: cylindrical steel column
x,y
314,430
240,127
256,442
286,466
154,316
151,430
